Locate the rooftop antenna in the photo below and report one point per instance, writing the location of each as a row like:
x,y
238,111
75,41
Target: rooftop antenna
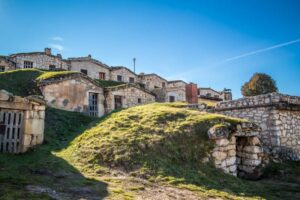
x,y
134,59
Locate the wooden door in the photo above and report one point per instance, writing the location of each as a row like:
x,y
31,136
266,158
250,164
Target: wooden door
x,y
118,102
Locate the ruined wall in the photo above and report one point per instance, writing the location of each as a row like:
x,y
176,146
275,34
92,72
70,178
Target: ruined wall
x,y
40,60
72,95
130,96
6,64
238,151
279,117
92,67
176,89
125,73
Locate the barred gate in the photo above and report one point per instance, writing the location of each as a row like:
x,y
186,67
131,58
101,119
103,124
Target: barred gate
x,y
11,130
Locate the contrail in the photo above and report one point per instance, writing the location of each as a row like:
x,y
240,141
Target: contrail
x,y
261,50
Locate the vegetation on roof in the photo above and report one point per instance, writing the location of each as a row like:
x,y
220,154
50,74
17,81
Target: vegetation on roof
x,y
108,83
24,82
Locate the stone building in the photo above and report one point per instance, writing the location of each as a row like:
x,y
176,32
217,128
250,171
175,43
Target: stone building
x,y
278,116
125,96
176,91
238,150
74,92
6,64
211,94
21,122
41,60
90,67
156,84
123,74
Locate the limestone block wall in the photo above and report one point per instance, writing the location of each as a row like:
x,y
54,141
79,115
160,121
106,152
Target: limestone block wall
x,y
238,151
92,66
8,65
278,116
130,96
40,60
72,94
124,72
176,89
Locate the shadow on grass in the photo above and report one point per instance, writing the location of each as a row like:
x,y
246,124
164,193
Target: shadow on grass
x,y
39,174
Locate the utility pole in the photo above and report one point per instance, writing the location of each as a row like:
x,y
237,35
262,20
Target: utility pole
x,y
134,59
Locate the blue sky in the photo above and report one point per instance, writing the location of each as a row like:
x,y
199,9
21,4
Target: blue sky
x,y
214,43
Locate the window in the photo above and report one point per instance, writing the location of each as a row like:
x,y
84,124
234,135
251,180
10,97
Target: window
x,y
118,102
2,68
52,67
163,84
101,75
131,80
93,104
171,99
119,78
208,94
139,100
28,64
84,71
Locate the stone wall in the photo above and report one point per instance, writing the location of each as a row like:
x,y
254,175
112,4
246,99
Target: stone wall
x,y
177,89
7,64
21,122
124,72
238,150
92,66
279,117
41,60
72,93
152,81
130,96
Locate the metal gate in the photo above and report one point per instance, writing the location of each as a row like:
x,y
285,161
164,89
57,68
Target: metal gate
x,y
11,130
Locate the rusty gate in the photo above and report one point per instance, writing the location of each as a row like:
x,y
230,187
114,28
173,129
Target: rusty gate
x,y
11,130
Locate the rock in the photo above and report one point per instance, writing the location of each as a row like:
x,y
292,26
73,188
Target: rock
x,y
4,95
252,162
253,149
219,155
232,153
230,161
222,142
254,141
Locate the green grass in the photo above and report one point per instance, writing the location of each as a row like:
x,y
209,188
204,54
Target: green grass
x,y
108,83
24,82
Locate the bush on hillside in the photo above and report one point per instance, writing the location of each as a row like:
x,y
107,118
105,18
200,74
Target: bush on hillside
x,y
259,83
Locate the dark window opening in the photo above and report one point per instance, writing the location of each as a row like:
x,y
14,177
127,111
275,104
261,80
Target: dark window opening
x,y
101,75
139,100
2,68
131,80
119,78
52,67
84,71
28,64
171,99
93,104
163,84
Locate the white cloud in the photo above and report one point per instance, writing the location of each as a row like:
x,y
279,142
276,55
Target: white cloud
x,y
57,47
57,38
261,50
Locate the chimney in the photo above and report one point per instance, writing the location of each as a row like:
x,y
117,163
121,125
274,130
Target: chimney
x,y
48,51
59,55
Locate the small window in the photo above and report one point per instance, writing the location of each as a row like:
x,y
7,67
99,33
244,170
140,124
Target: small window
x,y
2,68
28,64
171,99
208,94
131,80
84,71
52,67
101,75
163,84
139,100
119,78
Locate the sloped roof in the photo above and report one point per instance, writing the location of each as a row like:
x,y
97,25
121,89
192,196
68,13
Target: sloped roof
x,y
113,68
153,74
126,85
89,59
176,81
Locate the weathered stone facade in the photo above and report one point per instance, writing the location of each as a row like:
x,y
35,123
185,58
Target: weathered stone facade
x,y
279,117
123,74
238,151
176,91
6,64
211,94
94,68
21,122
41,60
127,95
72,92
